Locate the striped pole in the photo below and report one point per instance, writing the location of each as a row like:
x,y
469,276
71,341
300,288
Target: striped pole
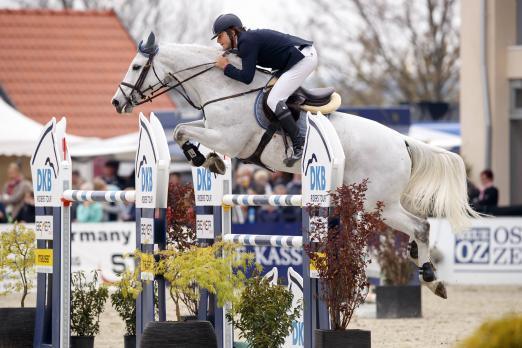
x,y
295,242
256,200
100,196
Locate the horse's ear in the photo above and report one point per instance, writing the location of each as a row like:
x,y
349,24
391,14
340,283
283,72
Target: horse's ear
x,y
150,46
150,40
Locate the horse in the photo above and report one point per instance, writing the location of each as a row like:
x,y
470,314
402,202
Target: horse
x,y
414,180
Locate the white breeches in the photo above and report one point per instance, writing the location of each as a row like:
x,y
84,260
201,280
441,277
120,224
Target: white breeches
x,y
291,80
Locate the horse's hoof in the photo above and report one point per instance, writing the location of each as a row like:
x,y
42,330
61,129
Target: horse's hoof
x,y
437,287
215,164
441,290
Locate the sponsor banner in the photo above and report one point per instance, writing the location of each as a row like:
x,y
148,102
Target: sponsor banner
x,y
147,231
43,260
44,227
490,252
204,226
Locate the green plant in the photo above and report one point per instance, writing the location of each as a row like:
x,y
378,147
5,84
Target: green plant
x,y
219,268
124,299
339,252
396,267
87,302
265,319
17,260
501,333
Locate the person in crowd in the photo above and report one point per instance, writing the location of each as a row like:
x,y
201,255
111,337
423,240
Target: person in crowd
x,y
294,186
488,197
3,214
110,175
261,185
288,214
127,210
27,212
76,180
243,179
110,210
89,211
14,190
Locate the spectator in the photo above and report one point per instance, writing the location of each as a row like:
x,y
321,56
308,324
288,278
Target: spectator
x,y
128,211
174,179
76,180
111,210
243,179
3,214
294,186
110,175
261,184
89,211
488,197
14,190
287,214
27,212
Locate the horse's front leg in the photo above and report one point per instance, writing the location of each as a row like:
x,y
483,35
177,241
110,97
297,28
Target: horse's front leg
x,y
209,137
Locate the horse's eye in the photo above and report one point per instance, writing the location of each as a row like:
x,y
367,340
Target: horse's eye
x,y
136,67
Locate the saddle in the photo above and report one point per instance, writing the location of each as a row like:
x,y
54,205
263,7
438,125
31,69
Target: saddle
x,y
324,100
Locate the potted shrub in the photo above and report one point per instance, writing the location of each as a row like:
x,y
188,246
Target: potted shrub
x,y
219,268
264,323
504,332
396,298
124,302
17,275
340,258
87,303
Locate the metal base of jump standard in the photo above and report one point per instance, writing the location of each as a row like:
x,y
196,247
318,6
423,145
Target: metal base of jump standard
x,y
322,169
51,171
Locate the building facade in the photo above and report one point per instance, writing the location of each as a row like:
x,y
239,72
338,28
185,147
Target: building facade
x,y
491,92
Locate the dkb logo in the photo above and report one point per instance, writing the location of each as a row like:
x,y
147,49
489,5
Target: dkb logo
x,y
146,178
317,178
43,180
204,181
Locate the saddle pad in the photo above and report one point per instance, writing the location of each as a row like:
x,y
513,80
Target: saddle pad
x,y
263,121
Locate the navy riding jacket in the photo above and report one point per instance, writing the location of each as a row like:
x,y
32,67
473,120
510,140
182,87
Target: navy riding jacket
x,y
267,48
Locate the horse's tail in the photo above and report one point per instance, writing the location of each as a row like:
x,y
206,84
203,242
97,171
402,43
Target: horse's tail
x,y
437,185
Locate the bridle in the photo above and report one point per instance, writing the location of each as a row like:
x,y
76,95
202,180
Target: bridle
x,y
162,87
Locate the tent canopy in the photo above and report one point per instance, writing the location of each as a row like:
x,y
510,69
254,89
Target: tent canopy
x,y
19,133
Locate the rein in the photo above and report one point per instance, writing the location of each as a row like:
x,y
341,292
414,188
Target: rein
x,y
164,87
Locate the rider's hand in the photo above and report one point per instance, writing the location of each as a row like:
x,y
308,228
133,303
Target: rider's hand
x,y
222,62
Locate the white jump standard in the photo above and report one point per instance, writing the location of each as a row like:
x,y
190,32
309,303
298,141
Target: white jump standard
x,y
326,158
51,171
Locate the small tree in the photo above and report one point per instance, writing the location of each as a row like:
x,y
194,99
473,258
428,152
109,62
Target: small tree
x,y
17,260
396,267
219,268
87,303
265,319
181,217
340,252
124,300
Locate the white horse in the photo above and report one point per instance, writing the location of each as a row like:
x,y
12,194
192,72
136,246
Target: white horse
x,y
413,179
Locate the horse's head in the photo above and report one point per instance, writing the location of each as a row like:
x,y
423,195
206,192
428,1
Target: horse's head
x,y
142,78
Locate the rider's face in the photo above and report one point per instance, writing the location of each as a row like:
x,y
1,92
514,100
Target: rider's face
x,y
224,40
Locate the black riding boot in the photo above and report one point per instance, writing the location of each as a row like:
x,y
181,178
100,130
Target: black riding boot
x,y
284,115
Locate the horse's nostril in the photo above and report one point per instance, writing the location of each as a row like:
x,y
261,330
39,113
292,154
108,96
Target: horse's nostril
x,y
115,102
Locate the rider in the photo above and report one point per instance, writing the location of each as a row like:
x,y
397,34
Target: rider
x,y
293,57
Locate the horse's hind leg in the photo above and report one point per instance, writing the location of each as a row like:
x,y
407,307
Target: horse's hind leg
x,y
418,229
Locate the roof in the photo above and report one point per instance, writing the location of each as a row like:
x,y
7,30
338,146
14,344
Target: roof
x,y
69,63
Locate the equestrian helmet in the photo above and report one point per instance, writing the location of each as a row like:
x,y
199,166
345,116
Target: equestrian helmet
x,y
224,22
